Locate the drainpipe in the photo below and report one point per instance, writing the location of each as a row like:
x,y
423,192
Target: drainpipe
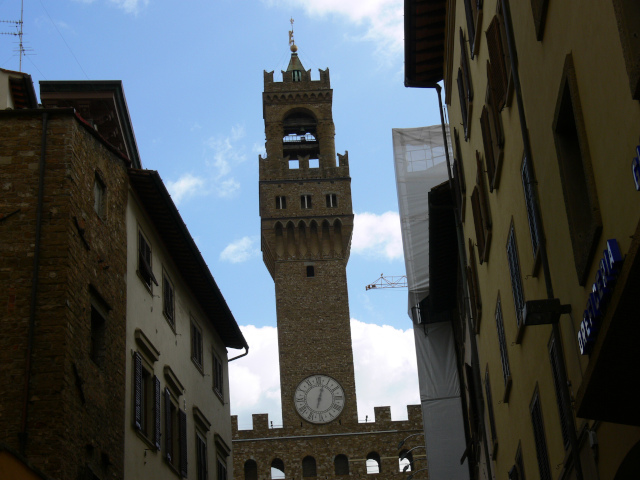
x,y
22,436
246,352
565,394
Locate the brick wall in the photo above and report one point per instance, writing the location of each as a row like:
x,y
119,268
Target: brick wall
x,y
75,408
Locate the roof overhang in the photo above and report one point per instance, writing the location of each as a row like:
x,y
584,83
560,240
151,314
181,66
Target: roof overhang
x,y
165,217
101,102
424,42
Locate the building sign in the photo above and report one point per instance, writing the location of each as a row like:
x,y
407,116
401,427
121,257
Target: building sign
x,y
600,295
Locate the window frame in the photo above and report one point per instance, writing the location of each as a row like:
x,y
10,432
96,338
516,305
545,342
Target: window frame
x,y
100,195
474,288
281,202
504,353
491,414
175,438
197,345
459,178
146,401
481,213
218,376
531,205
202,468
168,300
515,273
539,437
565,425
145,262
305,202
331,200
473,13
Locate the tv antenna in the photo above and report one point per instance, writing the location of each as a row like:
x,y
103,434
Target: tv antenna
x,y
18,33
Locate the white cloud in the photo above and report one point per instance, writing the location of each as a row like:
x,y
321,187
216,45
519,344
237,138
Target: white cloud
x,y
130,6
383,20
377,235
186,186
228,187
384,364
239,251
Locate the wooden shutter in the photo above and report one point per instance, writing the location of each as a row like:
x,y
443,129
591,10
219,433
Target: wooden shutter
x,y
488,146
182,425
168,438
471,13
156,411
137,391
484,210
464,65
497,68
477,221
474,287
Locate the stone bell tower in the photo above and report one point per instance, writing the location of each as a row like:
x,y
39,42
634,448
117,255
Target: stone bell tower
x,y
306,225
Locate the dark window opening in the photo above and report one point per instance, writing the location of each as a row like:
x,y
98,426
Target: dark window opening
x,y
305,201
144,261
332,200
201,457
628,16
98,336
250,470
504,356
146,397
281,202
341,464
516,278
311,271
576,174
168,300
373,463
542,453
309,466
99,196
405,461
528,184
296,75
300,136
222,470
196,345
218,376
492,419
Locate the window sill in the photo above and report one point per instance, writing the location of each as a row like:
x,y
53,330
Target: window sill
x,y
218,395
198,366
144,282
142,436
172,467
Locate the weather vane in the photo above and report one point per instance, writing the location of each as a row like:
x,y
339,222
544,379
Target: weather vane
x,y
292,42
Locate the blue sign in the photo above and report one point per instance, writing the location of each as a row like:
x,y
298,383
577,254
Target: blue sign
x,y
600,294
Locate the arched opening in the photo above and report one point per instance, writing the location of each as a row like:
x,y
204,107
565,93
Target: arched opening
x,y
326,239
302,238
405,461
250,470
314,244
279,240
373,463
337,237
300,135
630,466
309,466
341,464
291,240
277,469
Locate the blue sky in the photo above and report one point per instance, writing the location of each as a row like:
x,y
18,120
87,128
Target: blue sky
x,y
192,75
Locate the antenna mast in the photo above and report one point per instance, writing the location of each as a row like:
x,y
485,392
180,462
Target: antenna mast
x,y
18,33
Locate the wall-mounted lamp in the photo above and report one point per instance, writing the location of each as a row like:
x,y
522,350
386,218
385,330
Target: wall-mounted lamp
x,y
407,438
411,476
543,312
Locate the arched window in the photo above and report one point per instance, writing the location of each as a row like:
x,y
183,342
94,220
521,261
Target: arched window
x,y
341,463
309,466
405,461
277,468
373,463
250,470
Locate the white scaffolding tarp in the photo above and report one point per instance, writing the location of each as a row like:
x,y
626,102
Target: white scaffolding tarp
x,y
420,165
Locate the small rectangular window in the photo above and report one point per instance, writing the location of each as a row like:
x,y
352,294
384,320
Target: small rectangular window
x,y
98,334
294,164
218,376
504,356
314,163
99,196
144,261
305,201
168,300
542,452
311,271
481,215
196,344
516,278
528,184
146,400
281,202
332,200
474,288
222,470
201,457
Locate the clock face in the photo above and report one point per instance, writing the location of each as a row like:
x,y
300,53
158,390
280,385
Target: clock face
x,y
319,399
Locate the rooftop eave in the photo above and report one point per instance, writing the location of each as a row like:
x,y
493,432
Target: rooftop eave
x,y
424,45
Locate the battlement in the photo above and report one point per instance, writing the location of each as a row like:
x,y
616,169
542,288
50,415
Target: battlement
x,y
382,423
300,168
289,84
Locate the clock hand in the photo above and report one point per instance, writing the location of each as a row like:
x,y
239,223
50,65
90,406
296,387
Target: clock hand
x,y
320,396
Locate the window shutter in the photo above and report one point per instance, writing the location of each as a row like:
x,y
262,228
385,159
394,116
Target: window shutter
x,y
464,64
463,103
497,67
168,440
484,210
182,422
477,221
494,115
474,289
156,411
488,146
137,390
470,11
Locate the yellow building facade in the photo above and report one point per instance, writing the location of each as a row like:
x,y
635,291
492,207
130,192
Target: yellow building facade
x,y
542,99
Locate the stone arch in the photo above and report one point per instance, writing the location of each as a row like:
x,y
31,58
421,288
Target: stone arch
x,y
341,464
309,466
373,463
314,242
326,239
337,237
250,470
630,465
279,240
291,240
302,238
277,468
405,461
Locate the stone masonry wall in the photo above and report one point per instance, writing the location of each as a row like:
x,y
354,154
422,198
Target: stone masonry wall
x,y
76,407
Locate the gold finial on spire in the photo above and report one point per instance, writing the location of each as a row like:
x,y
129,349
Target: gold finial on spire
x,y
292,42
